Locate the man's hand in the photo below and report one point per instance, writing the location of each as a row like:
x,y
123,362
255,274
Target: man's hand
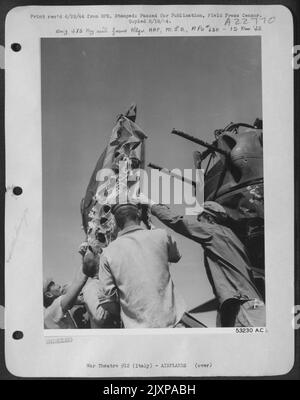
x,y
83,248
89,247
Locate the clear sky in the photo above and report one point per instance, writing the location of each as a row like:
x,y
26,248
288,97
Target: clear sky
x,y
196,84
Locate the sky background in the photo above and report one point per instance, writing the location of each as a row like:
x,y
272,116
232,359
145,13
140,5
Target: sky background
x,y
195,84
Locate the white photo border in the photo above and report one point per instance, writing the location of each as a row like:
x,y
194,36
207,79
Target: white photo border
x,y
70,353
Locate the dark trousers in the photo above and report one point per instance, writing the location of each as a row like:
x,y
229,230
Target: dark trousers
x,y
238,313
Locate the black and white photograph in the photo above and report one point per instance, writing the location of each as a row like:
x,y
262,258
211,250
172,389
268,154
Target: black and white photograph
x,y
149,191
115,256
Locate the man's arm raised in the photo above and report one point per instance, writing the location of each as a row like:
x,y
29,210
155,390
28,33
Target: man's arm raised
x,y
179,223
69,299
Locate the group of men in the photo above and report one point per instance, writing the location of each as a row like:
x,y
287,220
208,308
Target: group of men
x,y
129,285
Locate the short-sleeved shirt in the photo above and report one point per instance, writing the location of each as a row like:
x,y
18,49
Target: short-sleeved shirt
x,y
55,318
93,297
136,264
227,264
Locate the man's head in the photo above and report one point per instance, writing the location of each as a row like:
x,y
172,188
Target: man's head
x,y
51,291
213,212
90,264
126,214
65,288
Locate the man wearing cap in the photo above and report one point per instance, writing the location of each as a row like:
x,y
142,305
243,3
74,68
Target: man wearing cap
x,y
58,300
227,264
136,266
57,304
